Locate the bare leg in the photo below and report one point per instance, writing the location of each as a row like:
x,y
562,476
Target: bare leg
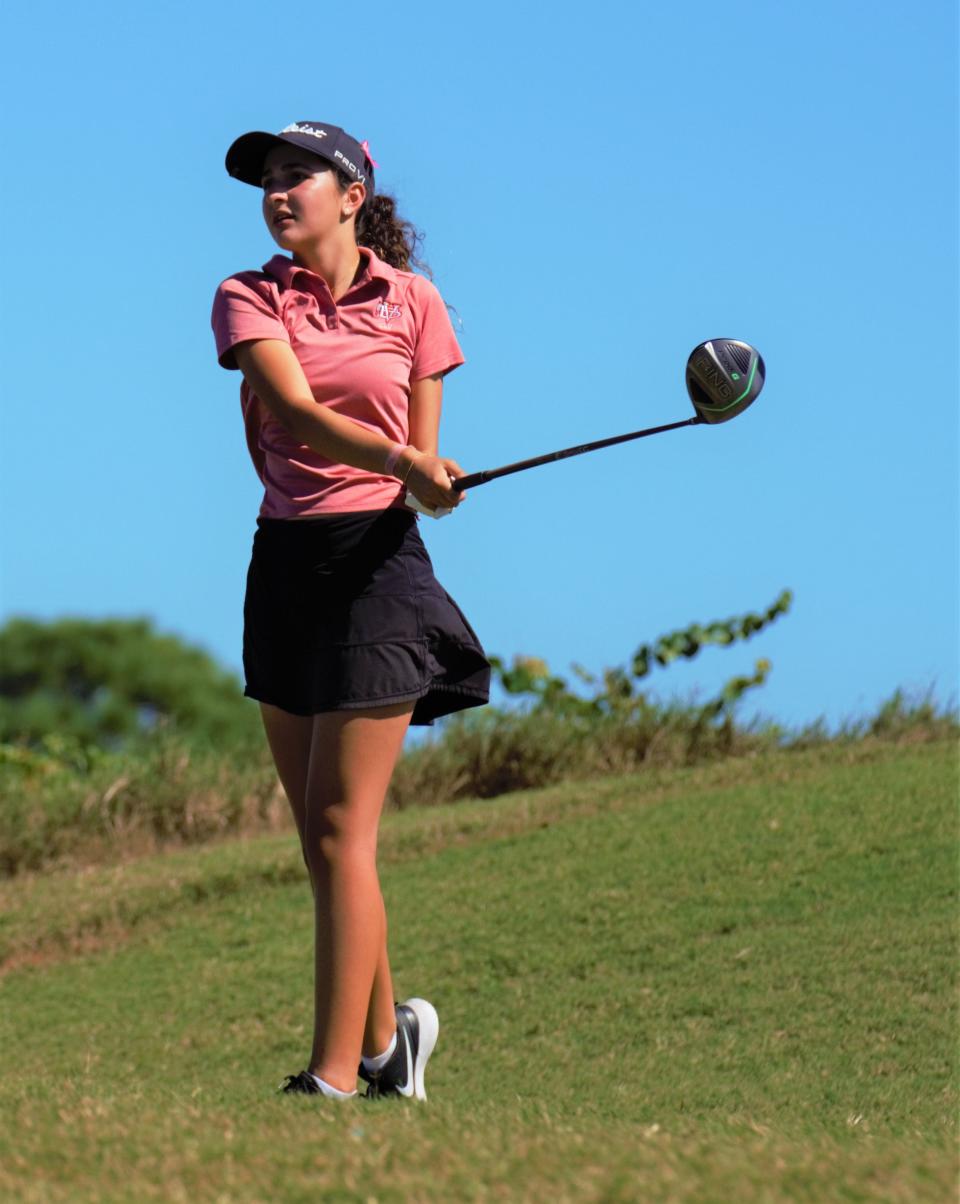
x,y
353,755
381,1018
290,738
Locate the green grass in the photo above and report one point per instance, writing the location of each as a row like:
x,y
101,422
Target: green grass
x,y
735,982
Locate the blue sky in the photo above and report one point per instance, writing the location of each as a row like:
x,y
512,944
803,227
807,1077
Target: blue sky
x,y
600,191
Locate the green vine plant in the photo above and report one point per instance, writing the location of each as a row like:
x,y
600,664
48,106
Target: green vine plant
x,y
615,692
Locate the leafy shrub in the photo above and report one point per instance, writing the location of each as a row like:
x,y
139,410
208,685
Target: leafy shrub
x,y
107,681
67,796
75,792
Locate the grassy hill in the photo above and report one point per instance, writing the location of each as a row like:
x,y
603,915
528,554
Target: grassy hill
x,y
729,983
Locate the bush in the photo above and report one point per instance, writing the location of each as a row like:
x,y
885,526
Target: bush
x,y
87,777
108,681
66,797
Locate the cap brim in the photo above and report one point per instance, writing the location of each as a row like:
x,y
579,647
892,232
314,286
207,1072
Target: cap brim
x,y
245,157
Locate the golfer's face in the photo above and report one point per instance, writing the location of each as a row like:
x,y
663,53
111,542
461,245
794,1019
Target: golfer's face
x,y
301,200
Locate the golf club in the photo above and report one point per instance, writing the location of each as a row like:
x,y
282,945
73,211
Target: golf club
x,y
723,377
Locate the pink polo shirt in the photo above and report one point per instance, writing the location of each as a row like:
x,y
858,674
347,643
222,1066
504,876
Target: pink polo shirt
x,y
359,355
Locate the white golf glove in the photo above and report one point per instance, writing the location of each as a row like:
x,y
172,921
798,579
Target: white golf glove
x,y
415,504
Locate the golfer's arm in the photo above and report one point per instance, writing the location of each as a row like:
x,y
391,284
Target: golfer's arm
x,y
274,373
426,399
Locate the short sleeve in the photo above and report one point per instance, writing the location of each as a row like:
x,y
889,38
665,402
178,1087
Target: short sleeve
x,y
437,350
243,309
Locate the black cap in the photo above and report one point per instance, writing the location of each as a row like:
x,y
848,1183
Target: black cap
x,y
245,157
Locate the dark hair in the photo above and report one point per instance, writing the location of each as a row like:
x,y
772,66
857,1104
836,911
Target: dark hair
x,y
388,236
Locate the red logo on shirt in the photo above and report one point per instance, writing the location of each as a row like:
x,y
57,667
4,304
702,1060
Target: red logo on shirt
x,y
388,311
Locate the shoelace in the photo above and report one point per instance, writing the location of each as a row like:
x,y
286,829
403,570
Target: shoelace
x,y
379,1080
302,1083
381,1084
377,1090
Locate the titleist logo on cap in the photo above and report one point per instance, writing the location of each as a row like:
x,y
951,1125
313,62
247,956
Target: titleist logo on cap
x,y
296,128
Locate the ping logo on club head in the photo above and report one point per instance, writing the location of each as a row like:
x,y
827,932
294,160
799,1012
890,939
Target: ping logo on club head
x,y
711,375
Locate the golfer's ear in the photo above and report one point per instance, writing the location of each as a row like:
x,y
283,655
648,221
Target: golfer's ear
x,y
352,200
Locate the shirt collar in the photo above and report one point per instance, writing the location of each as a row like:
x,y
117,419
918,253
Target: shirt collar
x,y
285,271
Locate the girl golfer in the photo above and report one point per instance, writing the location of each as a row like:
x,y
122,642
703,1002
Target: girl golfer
x,y
348,637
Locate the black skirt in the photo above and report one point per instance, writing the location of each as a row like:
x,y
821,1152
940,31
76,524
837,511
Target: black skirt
x,y
342,612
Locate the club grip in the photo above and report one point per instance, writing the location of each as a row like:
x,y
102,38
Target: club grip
x,y
469,481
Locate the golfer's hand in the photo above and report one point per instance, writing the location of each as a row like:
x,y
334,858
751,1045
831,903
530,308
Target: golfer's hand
x,y
430,479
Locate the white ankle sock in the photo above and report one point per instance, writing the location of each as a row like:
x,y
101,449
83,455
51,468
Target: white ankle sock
x,y
381,1060
327,1089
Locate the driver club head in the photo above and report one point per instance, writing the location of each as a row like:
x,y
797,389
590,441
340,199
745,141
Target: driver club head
x,y
723,377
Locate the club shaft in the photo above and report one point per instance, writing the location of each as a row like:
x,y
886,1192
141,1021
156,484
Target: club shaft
x,y
491,474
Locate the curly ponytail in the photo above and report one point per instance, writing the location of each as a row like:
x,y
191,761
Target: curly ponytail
x,y
388,236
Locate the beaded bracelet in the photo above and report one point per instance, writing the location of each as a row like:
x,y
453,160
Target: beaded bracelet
x,y
403,479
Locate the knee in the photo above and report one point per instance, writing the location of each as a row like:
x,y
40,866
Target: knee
x,y
332,842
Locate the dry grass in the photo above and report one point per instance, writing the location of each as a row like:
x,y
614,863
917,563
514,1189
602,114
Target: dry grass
x,y
86,806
